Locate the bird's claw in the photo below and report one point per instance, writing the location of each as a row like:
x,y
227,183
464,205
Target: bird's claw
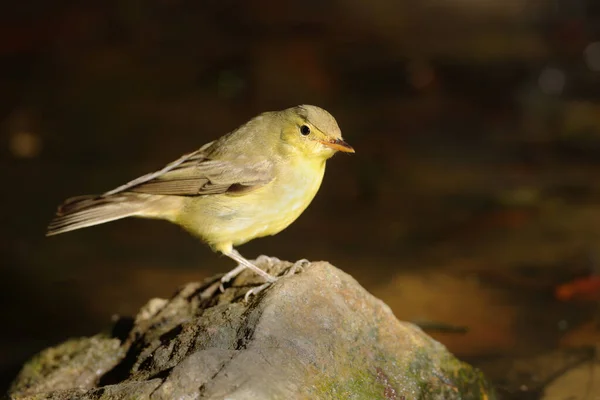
x,y
237,270
230,275
256,290
262,259
297,267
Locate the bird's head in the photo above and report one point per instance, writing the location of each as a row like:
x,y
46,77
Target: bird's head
x,y
313,132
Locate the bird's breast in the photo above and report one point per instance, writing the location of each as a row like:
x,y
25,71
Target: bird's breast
x,y
265,211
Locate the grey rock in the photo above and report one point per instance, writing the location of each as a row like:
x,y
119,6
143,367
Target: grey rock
x,y
316,334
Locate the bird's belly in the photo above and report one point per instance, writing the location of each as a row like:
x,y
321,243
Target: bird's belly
x,y
265,211
270,216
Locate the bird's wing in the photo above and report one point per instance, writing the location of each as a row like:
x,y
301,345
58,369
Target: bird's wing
x,y
196,174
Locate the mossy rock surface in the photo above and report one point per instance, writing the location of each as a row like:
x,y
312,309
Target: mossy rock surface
x,y
313,335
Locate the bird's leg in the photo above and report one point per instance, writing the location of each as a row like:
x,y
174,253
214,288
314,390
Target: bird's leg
x,y
231,274
237,270
243,264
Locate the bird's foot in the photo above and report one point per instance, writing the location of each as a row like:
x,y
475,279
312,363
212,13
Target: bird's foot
x,y
298,266
256,290
230,275
242,266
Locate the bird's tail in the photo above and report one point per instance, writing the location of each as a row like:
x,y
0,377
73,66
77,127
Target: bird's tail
x,y
83,211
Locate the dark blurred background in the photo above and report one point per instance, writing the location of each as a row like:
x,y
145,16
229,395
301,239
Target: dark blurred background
x,y
473,199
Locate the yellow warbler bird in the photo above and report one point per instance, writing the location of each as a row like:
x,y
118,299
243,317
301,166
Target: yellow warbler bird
x,y
253,182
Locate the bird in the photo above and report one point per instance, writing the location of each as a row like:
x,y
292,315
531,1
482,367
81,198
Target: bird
x,y
252,182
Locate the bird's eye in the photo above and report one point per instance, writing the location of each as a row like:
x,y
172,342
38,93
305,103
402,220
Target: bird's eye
x,y
304,130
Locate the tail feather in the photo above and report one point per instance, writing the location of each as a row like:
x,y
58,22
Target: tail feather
x,y
83,211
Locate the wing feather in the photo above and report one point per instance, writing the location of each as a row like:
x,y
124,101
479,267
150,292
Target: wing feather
x,y
196,174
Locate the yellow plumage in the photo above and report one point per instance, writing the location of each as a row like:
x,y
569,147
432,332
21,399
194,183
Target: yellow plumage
x,y
224,221
253,182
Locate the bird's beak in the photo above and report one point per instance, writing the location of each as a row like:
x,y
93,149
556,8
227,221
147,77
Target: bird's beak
x,y
338,144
